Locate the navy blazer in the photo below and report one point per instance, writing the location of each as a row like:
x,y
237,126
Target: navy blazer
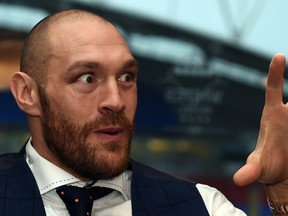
x,y
153,193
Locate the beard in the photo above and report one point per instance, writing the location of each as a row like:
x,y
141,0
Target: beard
x,y
68,142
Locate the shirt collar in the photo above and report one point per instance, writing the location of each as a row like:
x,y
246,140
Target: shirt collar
x,y
42,169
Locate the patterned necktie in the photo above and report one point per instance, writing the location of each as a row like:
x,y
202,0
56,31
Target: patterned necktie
x,y
79,201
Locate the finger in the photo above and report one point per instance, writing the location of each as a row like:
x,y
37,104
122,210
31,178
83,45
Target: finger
x,y
274,89
248,174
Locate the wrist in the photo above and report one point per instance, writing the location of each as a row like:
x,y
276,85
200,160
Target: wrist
x,y
277,193
277,208
277,199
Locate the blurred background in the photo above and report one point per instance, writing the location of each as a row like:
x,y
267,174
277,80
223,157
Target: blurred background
x,y
203,67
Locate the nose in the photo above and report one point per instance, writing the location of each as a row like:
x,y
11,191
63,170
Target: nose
x,y
111,98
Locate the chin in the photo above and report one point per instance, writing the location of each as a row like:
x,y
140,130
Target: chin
x,y
105,165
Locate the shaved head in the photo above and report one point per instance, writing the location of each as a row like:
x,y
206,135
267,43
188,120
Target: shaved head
x,y
36,51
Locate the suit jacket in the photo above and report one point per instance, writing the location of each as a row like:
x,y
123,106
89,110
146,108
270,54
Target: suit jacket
x,y
153,193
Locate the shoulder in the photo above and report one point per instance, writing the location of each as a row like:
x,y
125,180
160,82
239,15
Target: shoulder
x,y
215,202
9,159
157,190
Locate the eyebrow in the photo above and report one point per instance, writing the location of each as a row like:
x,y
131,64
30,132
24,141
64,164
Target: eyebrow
x,y
94,65
131,63
84,64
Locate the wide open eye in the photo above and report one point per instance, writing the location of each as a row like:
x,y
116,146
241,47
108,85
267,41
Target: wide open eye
x,y
86,78
126,77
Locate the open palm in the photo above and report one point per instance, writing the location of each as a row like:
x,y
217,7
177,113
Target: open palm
x,y
268,162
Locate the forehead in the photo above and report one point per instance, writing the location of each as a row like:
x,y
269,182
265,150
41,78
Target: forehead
x,y
86,41
91,31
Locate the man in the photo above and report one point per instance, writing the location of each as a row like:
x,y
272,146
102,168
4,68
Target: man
x,y
77,85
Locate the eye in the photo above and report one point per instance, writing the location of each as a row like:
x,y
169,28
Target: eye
x,y
86,78
126,77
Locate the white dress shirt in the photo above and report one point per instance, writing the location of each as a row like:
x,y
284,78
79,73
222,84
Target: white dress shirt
x,y
118,203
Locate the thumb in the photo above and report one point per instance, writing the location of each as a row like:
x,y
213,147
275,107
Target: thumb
x,y
247,174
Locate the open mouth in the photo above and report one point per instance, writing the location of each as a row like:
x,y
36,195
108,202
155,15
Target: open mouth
x,y
110,133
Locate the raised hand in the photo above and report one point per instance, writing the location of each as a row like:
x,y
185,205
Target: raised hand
x,y
268,163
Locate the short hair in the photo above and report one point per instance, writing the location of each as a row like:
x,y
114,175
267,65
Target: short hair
x,y
37,50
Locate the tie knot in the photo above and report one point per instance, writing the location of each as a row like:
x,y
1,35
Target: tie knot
x,y
79,201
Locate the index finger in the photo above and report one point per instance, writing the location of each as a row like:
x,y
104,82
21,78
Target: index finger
x,y
275,81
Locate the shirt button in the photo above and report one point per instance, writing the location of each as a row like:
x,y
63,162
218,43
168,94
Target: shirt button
x,y
30,160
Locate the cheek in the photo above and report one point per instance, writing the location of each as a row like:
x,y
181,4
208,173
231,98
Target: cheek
x,y
82,110
131,106
76,107
65,105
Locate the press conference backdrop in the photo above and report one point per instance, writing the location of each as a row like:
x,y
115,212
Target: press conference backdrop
x,y
200,99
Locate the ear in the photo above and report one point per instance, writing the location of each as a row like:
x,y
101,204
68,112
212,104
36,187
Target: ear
x,y
25,92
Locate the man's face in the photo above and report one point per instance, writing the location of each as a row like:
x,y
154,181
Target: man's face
x,y
89,100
